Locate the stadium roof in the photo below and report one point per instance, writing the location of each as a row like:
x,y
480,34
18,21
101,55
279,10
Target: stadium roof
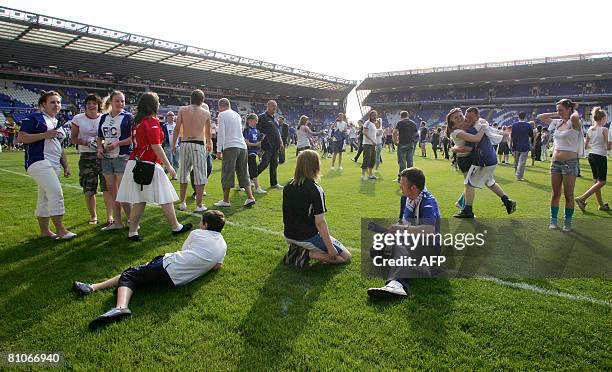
x,y
35,40
589,66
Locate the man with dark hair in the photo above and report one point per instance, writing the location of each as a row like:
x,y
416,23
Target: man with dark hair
x,y
405,134
271,144
420,214
204,250
520,140
423,139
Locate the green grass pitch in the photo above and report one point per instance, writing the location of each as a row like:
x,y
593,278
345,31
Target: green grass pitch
x,y
256,314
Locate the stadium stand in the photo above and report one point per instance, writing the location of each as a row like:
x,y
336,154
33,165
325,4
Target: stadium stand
x,y
140,64
500,89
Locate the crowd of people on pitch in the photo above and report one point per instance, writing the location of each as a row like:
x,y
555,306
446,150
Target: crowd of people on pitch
x,y
128,157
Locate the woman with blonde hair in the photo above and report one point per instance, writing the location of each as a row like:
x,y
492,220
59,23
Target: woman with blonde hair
x,y
304,209
597,140
114,144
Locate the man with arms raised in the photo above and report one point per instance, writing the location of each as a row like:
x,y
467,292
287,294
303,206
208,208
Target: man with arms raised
x,y
194,120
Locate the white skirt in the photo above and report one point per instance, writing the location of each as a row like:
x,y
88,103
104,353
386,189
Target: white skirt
x,y
160,191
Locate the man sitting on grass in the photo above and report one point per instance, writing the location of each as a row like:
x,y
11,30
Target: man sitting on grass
x,y
420,214
204,250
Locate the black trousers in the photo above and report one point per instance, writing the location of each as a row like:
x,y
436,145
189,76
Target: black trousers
x,y
269,158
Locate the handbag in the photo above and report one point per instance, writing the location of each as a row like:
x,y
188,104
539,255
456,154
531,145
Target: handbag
x,y
143,170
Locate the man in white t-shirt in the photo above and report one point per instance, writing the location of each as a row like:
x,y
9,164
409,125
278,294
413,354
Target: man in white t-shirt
x,y
204,250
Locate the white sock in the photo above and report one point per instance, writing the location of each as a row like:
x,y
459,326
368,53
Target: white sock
x,y
179,228
132,234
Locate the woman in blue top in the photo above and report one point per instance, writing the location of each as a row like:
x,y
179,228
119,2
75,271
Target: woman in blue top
x,y
42,135
114,146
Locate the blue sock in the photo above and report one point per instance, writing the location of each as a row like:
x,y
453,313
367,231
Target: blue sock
x,y
569,212
554,213
504,198
467,209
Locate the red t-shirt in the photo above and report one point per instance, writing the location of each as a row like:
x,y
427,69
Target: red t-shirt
x,y
147,132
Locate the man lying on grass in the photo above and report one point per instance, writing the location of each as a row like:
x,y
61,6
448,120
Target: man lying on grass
x,y
204,250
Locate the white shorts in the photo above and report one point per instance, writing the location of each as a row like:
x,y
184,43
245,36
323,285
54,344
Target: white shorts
x,y
50,196
480,176
160,191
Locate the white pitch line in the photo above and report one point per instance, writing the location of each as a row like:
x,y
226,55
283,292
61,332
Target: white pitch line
x,y
550,292
517,285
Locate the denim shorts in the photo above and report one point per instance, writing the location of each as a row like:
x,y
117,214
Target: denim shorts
x,y
568,167
114,165
316,242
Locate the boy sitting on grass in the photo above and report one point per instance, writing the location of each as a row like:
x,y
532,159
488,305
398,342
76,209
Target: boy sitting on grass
x,y
204,250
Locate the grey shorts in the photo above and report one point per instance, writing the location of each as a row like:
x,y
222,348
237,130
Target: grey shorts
x,y
565,167
114,165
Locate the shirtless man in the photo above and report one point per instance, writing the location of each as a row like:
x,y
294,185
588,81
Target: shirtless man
x,y
194,120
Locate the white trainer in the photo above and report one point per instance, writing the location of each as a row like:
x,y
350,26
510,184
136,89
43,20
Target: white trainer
x,y
182,207
200,209
260,191
222,203
249,202
277,186
393,289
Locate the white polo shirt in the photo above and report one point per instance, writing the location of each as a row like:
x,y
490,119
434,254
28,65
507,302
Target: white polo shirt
x,y
202,250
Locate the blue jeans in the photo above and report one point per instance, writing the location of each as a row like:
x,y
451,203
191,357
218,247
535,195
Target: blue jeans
x,y
405,156
172,158
378,151
316,242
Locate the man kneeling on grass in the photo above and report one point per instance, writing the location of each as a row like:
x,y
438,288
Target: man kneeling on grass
x,y
204,250
304,210
420,214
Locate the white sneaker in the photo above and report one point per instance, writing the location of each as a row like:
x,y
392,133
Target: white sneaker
x,y
114,226
553,226
222,203
182,207
567,228
204,193
277,186
373,177
260,191
364,178
200,209
340,168
393,289
238,188
332,168
249,202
